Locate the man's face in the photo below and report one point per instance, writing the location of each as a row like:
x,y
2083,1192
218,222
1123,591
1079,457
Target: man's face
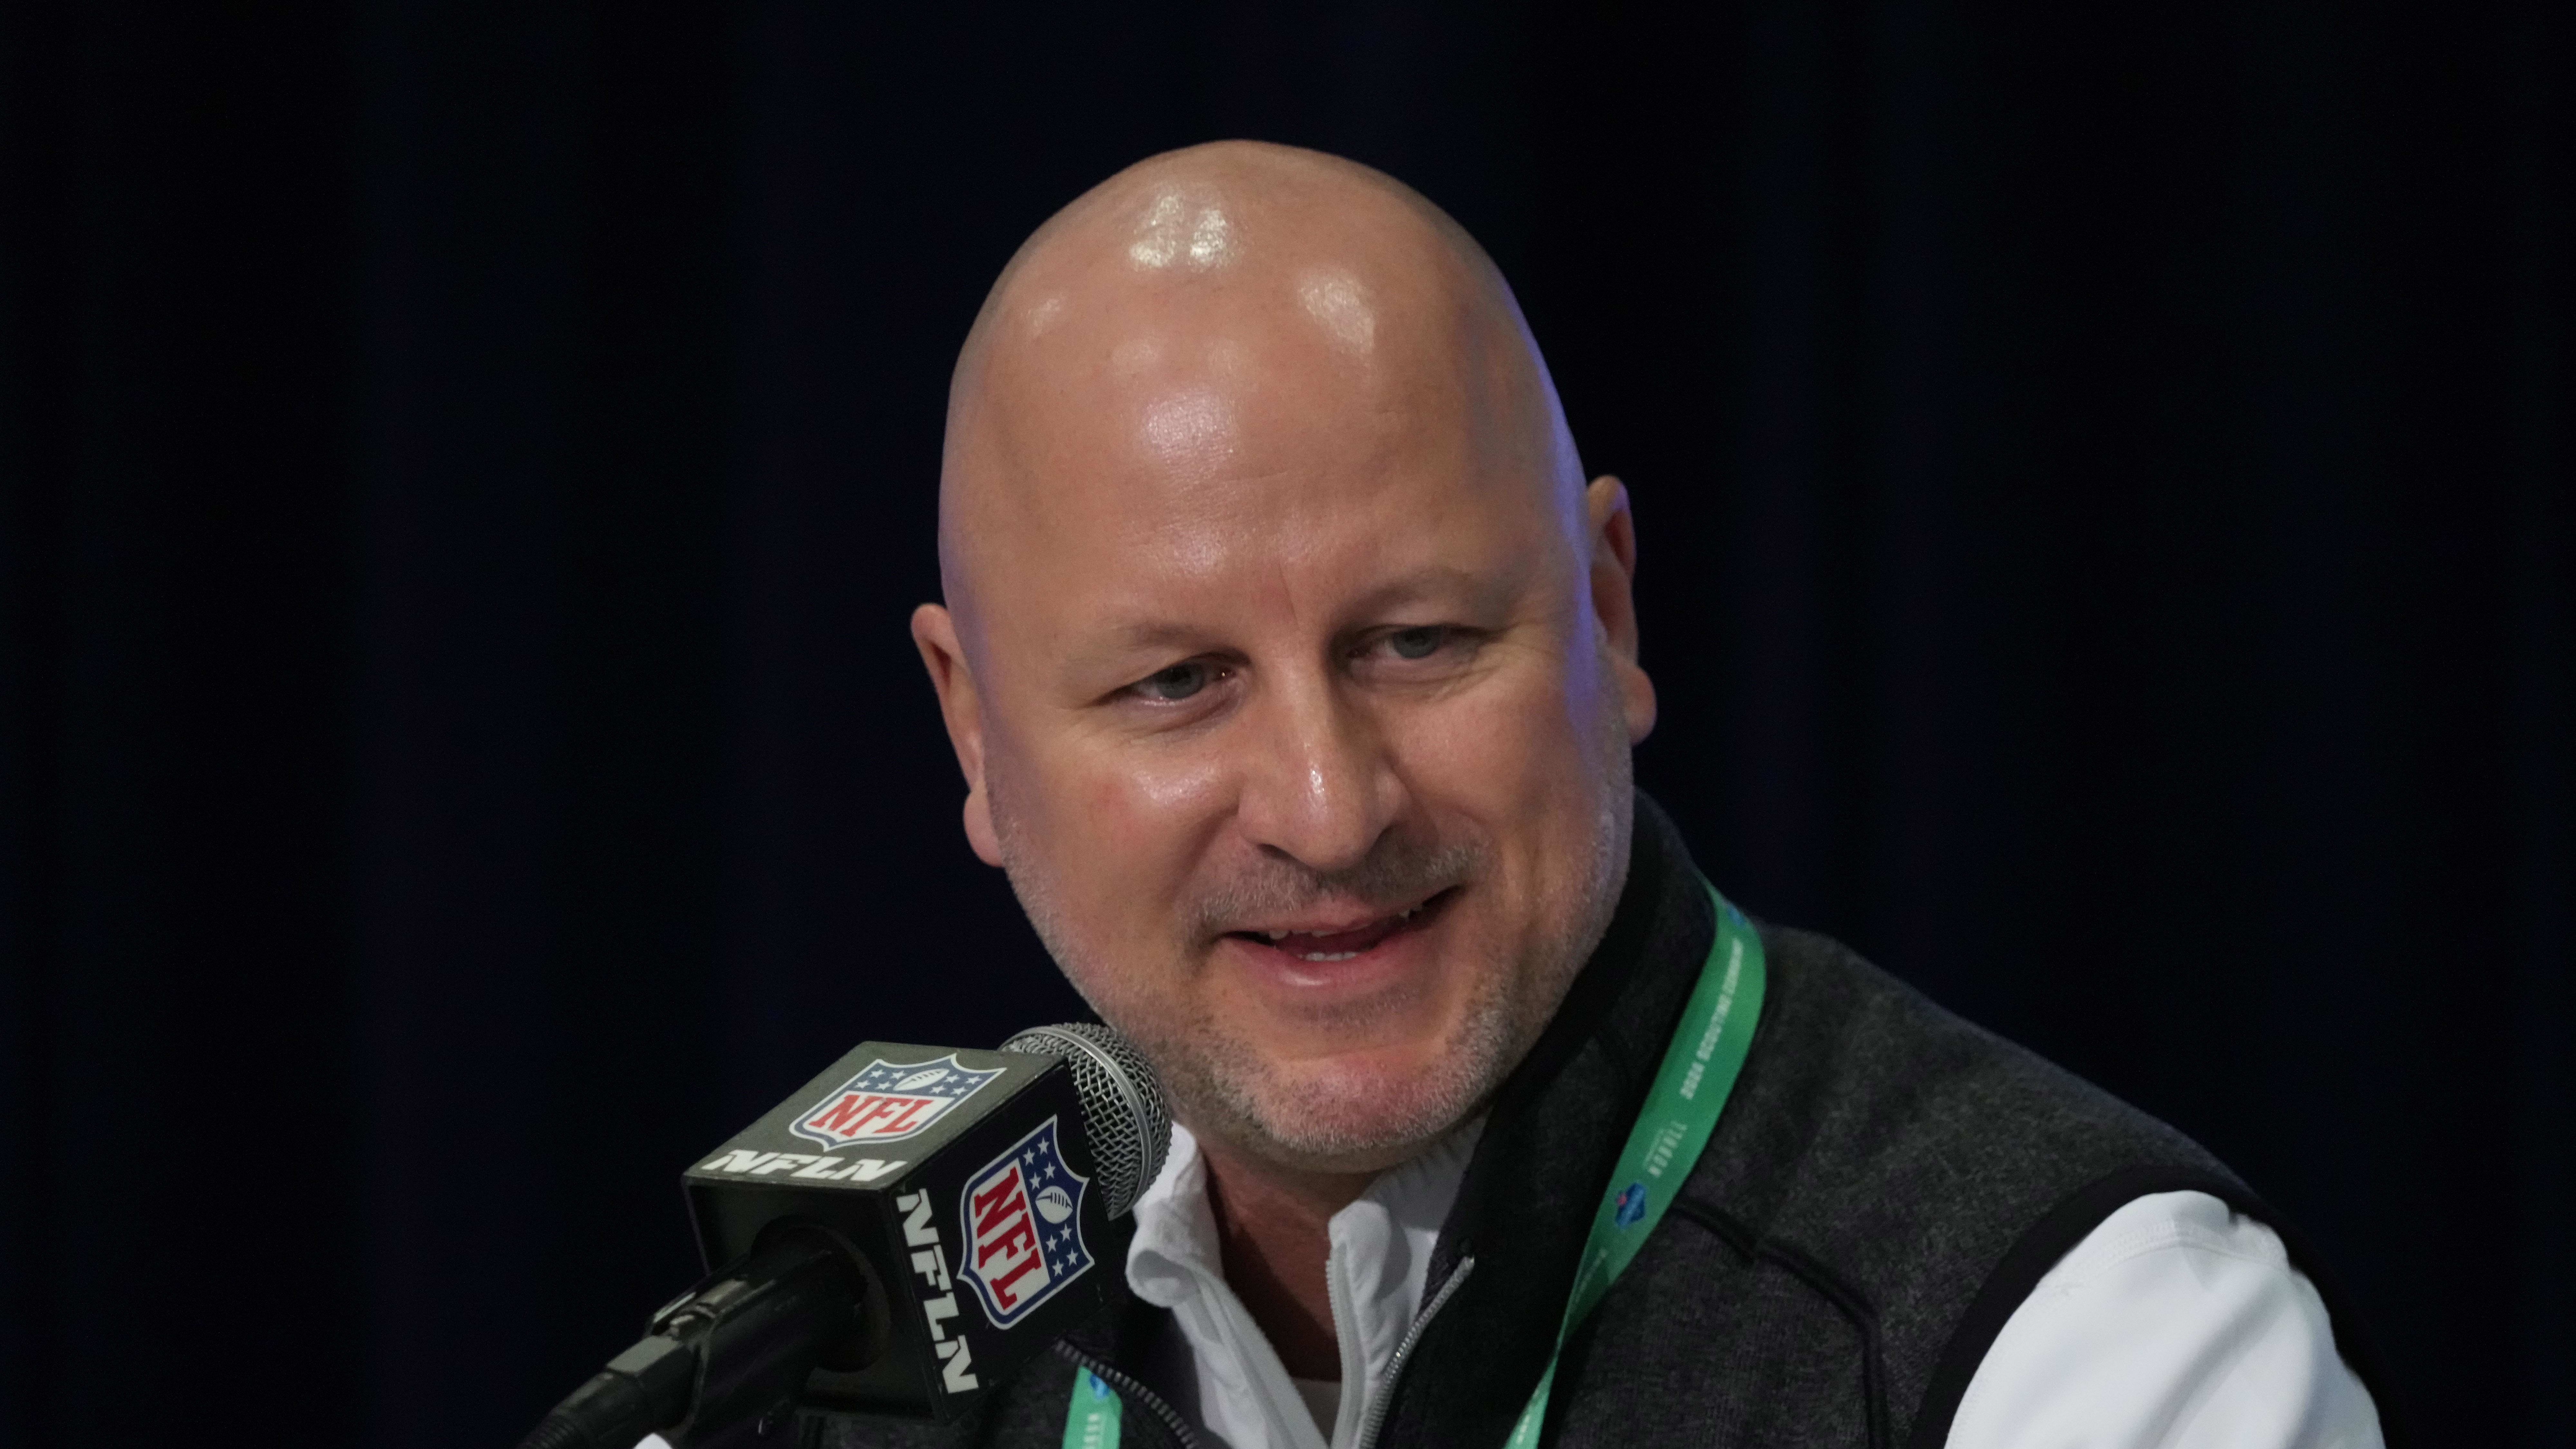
x,y
1290,713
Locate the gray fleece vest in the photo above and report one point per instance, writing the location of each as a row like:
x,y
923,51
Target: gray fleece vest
x,y
1885,1187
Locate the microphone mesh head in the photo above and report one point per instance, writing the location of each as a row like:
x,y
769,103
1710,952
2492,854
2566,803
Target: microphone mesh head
x,y
1123,1114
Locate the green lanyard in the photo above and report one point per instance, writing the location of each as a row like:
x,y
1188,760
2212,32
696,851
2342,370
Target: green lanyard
x,y
1691,1088
1091,1420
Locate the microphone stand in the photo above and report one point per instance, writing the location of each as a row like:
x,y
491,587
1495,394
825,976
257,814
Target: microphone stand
x,y
737,1347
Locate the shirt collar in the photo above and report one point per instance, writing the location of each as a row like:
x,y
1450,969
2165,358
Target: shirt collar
x,y
1379,1264
1176,1234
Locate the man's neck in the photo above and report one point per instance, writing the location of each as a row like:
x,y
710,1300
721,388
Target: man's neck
x,y
1274,1229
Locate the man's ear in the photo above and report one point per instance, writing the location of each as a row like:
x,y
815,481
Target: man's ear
x,y
1613,534
934,632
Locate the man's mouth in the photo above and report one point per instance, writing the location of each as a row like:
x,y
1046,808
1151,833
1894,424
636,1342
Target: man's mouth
x,y
1325,944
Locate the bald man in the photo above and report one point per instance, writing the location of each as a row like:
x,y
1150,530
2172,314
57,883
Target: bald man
x,y
1292,666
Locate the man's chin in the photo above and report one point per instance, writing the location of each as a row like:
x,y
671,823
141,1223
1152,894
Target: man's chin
x,y
1349,1116
1343,1148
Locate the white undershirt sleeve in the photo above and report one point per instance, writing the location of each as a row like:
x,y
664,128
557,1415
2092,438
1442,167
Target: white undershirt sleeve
x,y
2175,1323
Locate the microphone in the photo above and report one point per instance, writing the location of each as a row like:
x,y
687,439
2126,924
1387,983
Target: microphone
x,y
895,1238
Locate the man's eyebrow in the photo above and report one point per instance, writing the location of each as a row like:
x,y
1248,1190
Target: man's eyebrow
x,y
1117,638
1116,642
1437,580
1142,634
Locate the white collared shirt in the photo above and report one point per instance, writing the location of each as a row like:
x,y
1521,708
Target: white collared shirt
x,y
1227,1371
2174,1323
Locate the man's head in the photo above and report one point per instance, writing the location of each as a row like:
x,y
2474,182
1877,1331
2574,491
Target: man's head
x,y
1276,603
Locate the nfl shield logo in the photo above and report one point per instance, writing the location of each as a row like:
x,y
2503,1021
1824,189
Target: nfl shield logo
x,y
1023,1219
891,1101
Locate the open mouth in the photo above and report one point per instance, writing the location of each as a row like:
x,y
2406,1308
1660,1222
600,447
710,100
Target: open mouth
x,y
1352,942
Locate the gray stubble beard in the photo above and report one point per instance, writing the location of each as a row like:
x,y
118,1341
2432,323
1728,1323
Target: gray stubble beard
x,y
1221,1086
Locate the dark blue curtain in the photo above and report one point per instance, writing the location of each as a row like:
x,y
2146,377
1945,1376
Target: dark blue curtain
x,y
2104,488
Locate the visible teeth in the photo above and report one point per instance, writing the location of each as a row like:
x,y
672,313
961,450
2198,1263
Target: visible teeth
x,y
1408,913
1330,955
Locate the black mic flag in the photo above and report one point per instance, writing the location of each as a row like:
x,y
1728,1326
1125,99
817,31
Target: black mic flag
x,y
894,1238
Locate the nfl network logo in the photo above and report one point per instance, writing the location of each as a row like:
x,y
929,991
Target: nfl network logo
x,y
891,1101
1023,1217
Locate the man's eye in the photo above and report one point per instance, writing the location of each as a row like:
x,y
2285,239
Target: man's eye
x,y
1419,643
1178,682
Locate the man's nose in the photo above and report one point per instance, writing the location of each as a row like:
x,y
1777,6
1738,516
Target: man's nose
x,y
1320,787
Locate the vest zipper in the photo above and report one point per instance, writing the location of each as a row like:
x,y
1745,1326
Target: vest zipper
x,y
1346,1339
1133,1390
1385,1396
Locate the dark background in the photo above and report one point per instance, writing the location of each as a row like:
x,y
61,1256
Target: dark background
x,y
2104,492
